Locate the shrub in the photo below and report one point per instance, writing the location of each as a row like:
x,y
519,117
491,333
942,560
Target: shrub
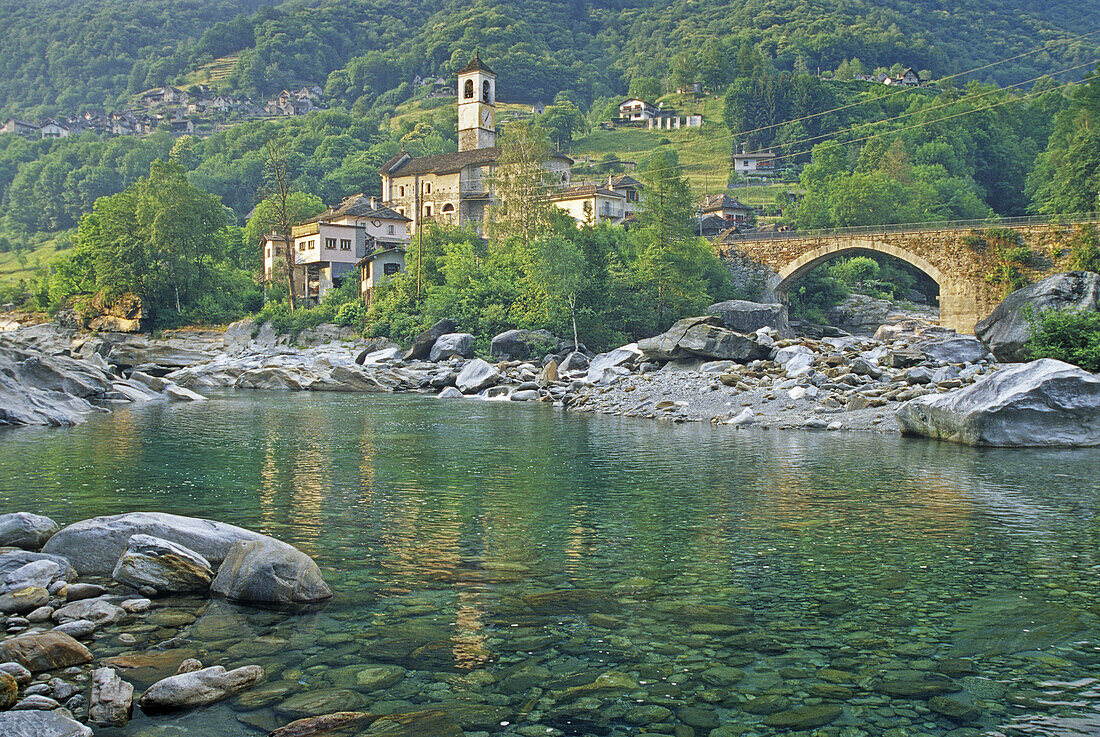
x,y
1072,336
351,313
1084,251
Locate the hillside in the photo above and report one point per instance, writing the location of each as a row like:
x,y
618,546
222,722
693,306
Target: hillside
x,y
61,58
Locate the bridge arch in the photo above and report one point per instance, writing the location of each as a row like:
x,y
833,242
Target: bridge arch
x,y
808,261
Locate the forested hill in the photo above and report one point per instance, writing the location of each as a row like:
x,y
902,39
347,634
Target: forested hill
x,y
63,57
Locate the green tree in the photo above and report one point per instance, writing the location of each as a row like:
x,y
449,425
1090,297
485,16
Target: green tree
x,y
646,88
559,269
265,219
521,183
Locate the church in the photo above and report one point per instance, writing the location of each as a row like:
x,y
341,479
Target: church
x,y
455,188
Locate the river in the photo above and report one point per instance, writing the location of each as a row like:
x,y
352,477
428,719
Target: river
x,y
494,559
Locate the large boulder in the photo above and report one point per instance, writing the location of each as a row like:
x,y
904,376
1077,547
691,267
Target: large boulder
x,y
742,316
25,530
162,565
112,699
1041,403
16,559
95,545
953,349
605,366
703,337
422,346
452,344
198,688
98,611
41,724
521,345
1006,331
477,375
36,574
859,313
44,651
265,573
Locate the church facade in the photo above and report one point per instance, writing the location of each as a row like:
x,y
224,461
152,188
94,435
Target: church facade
x,y
456,188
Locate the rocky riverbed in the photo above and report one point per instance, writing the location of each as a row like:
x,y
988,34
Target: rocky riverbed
x,y
739,365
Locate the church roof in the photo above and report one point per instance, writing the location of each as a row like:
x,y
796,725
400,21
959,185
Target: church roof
x,y
476,65
404,165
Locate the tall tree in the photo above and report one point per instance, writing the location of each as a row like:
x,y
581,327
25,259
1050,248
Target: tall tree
x,y
282,209
521,184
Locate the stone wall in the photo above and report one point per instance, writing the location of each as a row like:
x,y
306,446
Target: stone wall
x,y
948,256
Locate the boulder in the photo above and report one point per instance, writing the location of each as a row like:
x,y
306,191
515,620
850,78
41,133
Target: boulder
x,y
1006,331
16,559
521,345
477,375
574,361
326,724
1042,403
198,688
450,392
36,574
860,313
177,393
24,600
269,573
702,337
422,346
112,699
25,530
97,611
742,316
549,374
452,344
622,358
954,349
95,545
162,565
47,390
41,724
9,691
44,651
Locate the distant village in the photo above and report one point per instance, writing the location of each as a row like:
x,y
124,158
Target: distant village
x,y
173,109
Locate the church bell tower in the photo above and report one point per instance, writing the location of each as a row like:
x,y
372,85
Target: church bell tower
x,y
477,94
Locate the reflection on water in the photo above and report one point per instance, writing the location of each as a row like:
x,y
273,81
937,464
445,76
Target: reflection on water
x,y
495,560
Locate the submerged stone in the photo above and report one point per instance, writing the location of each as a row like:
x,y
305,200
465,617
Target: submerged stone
x,y
805,717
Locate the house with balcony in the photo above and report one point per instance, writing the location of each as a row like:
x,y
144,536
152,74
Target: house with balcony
x,y
591,204
727,208
754,164
329,248
637,110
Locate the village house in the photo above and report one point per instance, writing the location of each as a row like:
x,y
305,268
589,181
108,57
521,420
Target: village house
x,y
456,188
332,246
729,209
591,204
52,129
908,78
21,127
636,110
379,265
754,163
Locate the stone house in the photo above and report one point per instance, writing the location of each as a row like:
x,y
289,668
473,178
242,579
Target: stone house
x,y
378,265
729,209
754,163
52,129
21,127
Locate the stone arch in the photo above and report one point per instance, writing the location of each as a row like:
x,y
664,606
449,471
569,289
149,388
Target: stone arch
x,y
799,267
468,89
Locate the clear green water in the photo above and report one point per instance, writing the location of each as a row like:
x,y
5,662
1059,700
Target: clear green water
x,y
701,566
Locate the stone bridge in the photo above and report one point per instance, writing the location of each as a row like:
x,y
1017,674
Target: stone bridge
x,y
954,255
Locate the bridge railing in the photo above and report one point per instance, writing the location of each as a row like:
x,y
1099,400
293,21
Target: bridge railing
x,y
1067,219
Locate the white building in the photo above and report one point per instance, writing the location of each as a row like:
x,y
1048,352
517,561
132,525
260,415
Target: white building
x,y
755,163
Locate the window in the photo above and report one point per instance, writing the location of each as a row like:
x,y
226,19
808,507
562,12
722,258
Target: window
x,y
448,208
389,230
468,89
401,210
366,270
402,191
427,187
427,211
390,269
330,243
345,244
485,92
269,251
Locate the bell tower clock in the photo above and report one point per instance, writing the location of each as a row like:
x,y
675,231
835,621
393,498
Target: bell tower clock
x,y
477,92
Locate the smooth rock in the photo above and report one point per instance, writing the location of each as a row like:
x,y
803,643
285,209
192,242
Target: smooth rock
x,y
26,530
1042,403
180,394
198,688
79,591
36,702
95,545
452,344
24,600
320,702
21,675
521,345
702,337
9,691
335,724
15,559
269,572
956,711
954,349
475,376
40,724
112,699
804,717
422,346
78,629
742,316
44,651
450,392
99,611
36,574
1007,330
416,724
163,565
